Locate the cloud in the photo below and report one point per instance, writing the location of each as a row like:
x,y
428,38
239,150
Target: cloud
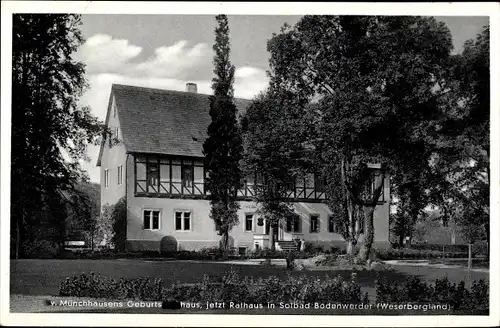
x,y
103,54
246,71
172,61
110,61
249,81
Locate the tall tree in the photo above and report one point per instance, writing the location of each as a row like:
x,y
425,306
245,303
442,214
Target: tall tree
x,y
49,130
274,155
463,157
377,81
223,147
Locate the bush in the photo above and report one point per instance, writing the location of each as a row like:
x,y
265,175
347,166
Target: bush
x,y
93,285
328,260
270,254
440,247
231,287
406,253
441,292
41,249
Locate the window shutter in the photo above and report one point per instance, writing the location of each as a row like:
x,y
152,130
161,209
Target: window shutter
x,y
318,226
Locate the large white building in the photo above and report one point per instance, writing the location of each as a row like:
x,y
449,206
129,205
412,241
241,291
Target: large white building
x,y
157,165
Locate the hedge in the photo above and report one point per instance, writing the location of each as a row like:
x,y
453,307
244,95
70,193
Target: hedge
x,y
230,287
299,290
473,301
406,253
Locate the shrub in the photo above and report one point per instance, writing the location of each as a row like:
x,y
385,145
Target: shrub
x,y
441,292
328,260
231,287
406,253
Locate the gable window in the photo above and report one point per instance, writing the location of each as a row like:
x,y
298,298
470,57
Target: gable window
x,y
187,176
319,183
110,139
332,226
114,111
152,177
120,174
117,129
106,178
182,221
314,224
151,219
249,222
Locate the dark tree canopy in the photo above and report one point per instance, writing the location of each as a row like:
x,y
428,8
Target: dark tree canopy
x,y
378,83
49,131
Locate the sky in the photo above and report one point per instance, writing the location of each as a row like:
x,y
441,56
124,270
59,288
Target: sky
x,y
167,51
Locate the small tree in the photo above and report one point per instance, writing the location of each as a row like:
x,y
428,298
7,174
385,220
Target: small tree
x,y
223,148
274,154
119,225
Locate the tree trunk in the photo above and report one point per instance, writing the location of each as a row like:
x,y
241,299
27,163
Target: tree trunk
x,y
92,240
351,246
366,247
401,237
271,237
469,266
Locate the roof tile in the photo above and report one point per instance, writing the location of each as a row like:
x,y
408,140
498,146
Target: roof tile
x,y
164,121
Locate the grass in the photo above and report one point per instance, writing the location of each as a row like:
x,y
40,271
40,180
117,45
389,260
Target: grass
x,y
43,277
32,279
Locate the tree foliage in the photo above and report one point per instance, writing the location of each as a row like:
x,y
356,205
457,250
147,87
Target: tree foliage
x,y
463,157
275,154
49,131
377,82
223,147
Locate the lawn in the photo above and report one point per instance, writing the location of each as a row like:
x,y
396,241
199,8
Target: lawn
x,y
43,277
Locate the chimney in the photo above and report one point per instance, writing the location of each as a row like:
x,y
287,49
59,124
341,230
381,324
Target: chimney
x,y
191,87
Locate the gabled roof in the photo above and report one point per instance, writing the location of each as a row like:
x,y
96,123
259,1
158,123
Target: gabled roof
x,y
162,121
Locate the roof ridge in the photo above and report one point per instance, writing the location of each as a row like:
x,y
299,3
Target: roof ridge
x,y
164,91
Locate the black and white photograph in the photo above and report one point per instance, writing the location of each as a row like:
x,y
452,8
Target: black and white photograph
x,y
315,167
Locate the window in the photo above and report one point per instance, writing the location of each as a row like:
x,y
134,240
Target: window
x,y
293,224
242,250
249,222
151,219
332,226
114,111
106,178
182,221
289,224
120,174
187,176
117,129
110,139
296,224
152,177
314,224
319,183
